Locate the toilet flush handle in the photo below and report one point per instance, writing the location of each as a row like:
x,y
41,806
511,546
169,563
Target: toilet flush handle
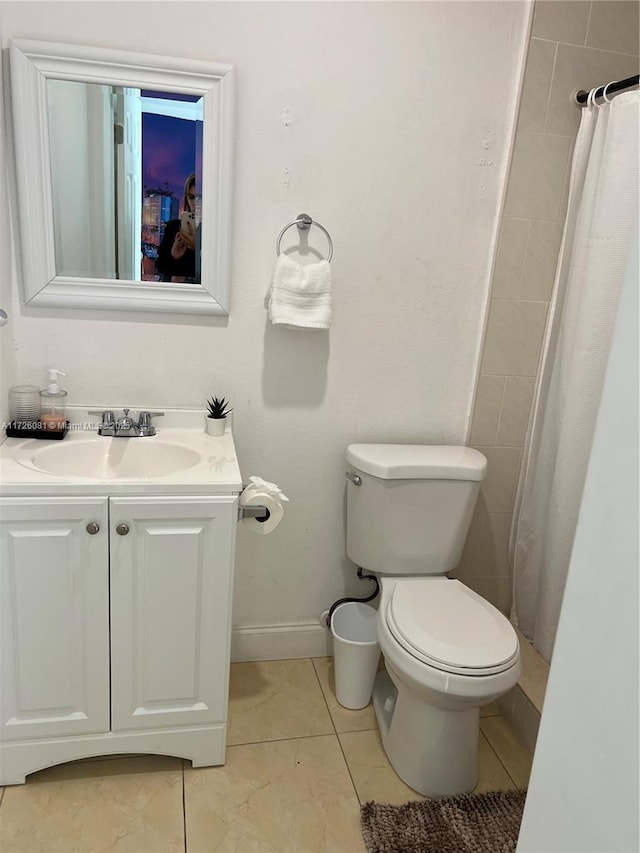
x,y
357,481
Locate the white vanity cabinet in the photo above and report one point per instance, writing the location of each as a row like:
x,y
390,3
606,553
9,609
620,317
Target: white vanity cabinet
x,y
116,626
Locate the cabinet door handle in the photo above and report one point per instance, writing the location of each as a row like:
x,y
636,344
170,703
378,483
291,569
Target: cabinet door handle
x,y
93,527
122,529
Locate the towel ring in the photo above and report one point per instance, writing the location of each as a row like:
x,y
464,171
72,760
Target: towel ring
x,y
304,222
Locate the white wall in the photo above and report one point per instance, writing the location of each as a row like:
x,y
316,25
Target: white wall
x,y
583,792
396,136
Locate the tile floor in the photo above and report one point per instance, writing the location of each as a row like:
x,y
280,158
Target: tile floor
x,y
298,767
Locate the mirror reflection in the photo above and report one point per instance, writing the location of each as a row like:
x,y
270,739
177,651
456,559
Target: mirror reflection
x,y
125,166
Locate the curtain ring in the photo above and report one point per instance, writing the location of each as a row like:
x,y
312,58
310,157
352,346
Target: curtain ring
x,y
591,100
604,93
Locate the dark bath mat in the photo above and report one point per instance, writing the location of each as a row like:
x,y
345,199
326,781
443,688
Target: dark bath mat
x,y
469,823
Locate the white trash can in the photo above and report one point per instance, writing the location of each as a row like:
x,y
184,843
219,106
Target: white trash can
x,y
356,653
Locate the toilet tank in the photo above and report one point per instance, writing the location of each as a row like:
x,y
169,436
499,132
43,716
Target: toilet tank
x,y
412,510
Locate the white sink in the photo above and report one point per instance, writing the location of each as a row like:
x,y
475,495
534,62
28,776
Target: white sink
x,y
181,459
112,458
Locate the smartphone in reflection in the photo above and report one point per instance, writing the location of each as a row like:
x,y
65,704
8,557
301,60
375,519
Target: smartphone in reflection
x,y
188,223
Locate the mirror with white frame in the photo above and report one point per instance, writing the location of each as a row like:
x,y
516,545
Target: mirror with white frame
x,y
124,167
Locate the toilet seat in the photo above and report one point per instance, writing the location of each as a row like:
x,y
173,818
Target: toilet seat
x,y
448,626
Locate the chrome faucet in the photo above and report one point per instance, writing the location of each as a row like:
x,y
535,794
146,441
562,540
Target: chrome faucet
x,y
125,426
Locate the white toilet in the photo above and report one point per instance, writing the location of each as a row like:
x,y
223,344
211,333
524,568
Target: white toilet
x,y
447,651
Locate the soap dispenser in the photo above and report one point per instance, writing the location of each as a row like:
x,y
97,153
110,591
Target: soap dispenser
x,y
52,403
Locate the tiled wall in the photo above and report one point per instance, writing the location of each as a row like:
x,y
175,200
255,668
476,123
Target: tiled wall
x,y
574,45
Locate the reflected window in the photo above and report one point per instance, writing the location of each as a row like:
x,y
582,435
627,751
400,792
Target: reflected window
x,y
171,206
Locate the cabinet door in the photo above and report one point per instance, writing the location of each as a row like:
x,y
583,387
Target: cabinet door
x,y
171,585
54,605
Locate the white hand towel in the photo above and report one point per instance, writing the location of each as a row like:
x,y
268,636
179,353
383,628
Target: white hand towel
x,y
300,295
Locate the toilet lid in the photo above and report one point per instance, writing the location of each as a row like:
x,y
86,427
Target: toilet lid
x,y
449,626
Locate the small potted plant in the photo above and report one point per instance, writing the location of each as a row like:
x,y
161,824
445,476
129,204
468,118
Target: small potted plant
x,y
217,411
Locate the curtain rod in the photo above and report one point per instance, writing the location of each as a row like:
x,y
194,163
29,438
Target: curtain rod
x,y
580,97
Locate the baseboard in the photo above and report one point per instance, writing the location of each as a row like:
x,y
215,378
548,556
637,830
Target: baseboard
x,y
280,642
516,707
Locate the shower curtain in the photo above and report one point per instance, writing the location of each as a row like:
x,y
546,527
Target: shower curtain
x,y
602,217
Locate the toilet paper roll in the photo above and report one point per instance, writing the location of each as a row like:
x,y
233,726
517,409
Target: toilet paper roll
x,y
255,497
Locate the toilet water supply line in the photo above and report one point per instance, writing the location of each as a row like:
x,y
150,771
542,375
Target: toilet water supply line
x,y
345,600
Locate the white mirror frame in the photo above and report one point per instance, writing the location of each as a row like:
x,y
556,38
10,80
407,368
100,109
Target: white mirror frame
x,y
32,63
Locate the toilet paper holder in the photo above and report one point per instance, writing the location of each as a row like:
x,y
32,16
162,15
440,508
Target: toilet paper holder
x,y
259,512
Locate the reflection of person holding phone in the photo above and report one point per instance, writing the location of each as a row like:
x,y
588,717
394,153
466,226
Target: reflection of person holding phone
x,y
177,251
